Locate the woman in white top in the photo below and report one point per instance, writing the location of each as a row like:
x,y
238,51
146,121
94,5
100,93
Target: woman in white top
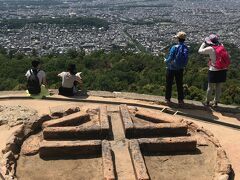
x,y
216,76
68,79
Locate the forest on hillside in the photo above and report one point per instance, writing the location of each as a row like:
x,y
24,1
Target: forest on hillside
x,y
122,71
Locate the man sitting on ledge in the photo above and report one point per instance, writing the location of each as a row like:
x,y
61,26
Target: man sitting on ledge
x,y
36,81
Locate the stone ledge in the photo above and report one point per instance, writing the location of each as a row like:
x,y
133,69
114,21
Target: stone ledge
x,y
108,167
78,132
176,144
138,161
126,120
103,118
50,149
70,120
159,130
126,95
159,117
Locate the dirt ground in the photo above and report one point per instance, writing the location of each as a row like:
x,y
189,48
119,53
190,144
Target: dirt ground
x,y
5,133
33,167
228,137
184,167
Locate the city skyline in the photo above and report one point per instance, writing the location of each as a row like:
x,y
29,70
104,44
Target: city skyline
x,y
140,25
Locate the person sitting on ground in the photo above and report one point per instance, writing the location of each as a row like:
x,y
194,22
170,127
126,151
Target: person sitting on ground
x,y
75,84
68,79
218,66
36,80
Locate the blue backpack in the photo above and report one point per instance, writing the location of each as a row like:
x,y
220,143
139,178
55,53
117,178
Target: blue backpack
x,y
181,58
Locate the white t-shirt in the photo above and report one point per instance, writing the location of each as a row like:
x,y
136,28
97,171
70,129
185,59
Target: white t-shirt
x,y
41,75
68,79
212,55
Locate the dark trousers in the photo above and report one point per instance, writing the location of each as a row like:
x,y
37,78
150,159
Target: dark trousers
x,y
178,74
66,91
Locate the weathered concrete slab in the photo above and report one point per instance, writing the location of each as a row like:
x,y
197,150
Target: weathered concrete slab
x,y
138,161
31,145
122,160
70,120
160,130
223,165
158,117
108,167
77,132
126,120
176,144
103,118
66,148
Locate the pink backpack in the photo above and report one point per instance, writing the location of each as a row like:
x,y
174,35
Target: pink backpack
x,y
222,57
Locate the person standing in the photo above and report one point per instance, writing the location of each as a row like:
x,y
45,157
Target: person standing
x,y
176,62
36,78
218,65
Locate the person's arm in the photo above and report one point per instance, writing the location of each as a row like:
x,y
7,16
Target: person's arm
x,y
78,79
44,81
60,74
171,55
79,74
204,49
27,74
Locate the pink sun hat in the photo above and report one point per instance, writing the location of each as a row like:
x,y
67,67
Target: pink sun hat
x,y
212,39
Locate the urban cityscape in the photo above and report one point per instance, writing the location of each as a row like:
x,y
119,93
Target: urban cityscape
x,y
48,26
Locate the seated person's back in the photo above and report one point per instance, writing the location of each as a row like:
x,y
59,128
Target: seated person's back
x,y
68,79
35,78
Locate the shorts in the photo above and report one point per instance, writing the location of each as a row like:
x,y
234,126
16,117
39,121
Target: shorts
x,y
217,76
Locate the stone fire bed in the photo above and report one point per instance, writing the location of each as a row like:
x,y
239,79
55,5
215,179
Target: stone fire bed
x,y
58,135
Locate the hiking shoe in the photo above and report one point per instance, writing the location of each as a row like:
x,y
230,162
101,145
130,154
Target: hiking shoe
x,y
214,104
168,101
206,103
181,103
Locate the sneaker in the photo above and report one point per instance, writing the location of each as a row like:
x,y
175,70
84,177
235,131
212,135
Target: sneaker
x,y
206,103
168,101
214,104
181,102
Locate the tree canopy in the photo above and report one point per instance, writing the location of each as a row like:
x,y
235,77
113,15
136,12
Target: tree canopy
x,y
122,71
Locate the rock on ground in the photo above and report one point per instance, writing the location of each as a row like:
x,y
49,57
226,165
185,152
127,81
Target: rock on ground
x,y
15,115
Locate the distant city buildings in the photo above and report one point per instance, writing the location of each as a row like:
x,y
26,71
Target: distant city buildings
x,y
134,25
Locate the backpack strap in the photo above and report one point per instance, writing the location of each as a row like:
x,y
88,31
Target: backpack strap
x,y
32,72
176,51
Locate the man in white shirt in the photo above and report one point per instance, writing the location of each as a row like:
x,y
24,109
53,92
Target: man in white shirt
x,y
40,73
36,79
